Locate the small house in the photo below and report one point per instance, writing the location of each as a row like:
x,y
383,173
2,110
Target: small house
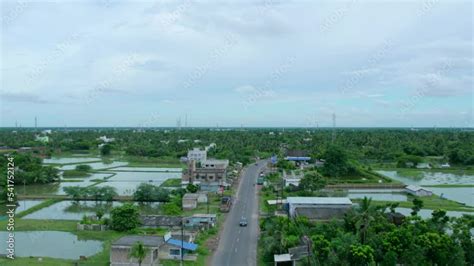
x,y
120,250
201,221
418,191
173,244
191,200
423,166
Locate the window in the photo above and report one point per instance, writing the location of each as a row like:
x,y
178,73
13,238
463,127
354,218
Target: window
x,y
174,252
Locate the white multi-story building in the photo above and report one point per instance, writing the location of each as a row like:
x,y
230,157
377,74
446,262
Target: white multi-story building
x,y
197,155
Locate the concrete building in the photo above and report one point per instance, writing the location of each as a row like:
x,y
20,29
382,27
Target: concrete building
x,y
214,164
318,208
190,200
209,173
201,221
171,249
418,191
297,156
120,250
197,155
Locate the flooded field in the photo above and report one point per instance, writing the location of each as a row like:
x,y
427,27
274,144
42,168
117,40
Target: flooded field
x,y
72,210
96,165
67,160
51,244
57,188
426,178
23,205
148,169
426,214
429,178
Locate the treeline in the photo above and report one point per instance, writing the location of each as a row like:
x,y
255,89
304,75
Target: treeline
x,y
454,145
371,236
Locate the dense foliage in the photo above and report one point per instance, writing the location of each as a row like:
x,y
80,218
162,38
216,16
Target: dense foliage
x,y
105,193
367,236
125,217
148,192
455,145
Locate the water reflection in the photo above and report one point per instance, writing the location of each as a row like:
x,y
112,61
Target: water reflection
x,y
51,244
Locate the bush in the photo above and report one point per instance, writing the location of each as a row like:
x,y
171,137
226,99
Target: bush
x,y
83,168
147,192
125,217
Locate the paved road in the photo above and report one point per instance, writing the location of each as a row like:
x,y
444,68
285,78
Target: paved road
x,y
238,245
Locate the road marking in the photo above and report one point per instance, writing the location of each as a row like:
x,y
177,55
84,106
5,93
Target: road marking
x,y
235,250
237,240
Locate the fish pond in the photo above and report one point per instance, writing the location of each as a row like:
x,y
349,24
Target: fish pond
x,y
53,244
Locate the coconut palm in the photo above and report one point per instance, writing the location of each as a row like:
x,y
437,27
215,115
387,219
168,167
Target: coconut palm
x,y
139,252
364,217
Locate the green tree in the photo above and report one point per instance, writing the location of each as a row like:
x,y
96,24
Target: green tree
x,y
192,188
171,209
337,162
144,192
321,247
312,181
125,217
77,193
138,252
83,168
364,218
417,206
106,150
361,255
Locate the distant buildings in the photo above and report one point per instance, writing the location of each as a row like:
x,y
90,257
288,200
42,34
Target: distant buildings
x,y
418,191
104,139
297,156
445,165
42,139
423,166
197,155
318,208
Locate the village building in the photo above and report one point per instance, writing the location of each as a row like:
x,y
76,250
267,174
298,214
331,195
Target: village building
x,y
120,250
190,200
318,208
210,174
418,191
197,155
174,243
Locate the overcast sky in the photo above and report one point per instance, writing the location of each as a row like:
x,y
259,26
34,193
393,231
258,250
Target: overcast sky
x,y
255,63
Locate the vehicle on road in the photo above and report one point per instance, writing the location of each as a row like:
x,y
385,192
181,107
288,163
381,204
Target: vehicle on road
x,y
243,222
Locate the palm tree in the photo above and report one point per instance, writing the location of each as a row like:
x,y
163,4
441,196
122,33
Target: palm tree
x,y
139,252
364,217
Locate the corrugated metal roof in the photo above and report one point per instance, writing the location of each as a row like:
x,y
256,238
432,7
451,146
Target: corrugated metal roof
x,y
186,245
318,200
